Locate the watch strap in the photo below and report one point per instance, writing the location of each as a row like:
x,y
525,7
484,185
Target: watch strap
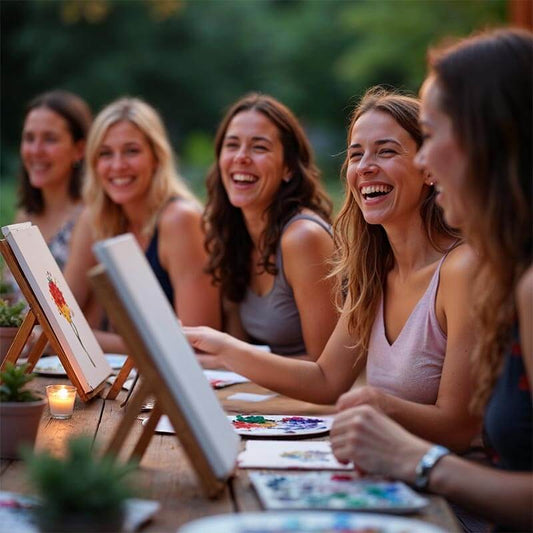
x,y
426,464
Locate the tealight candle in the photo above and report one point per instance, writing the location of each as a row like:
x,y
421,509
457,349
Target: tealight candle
x,y
61,400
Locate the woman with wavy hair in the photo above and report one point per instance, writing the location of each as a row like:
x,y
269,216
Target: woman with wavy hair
x,y
406,279
51,149
132,186
268,233
477,116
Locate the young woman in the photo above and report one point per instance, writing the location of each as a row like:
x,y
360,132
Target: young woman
x,y
268,232
476,117
51,149
132,186
408,287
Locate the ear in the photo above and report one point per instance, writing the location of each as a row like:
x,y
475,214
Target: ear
x,y
287,174
428,180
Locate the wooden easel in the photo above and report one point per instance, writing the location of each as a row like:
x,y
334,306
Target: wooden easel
x,y
151,385
36,316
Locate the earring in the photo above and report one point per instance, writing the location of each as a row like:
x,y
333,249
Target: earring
x,y
286,179
430,183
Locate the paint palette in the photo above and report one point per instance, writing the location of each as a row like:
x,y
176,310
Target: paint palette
x,y
334,491
307,522
280,425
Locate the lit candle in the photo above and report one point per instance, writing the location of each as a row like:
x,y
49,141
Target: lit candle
x,y
61,400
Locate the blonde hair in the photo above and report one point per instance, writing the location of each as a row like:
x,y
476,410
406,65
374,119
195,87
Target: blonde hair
x,y
363,254
108,218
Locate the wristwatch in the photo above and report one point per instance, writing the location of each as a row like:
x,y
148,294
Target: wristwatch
x,y
426,464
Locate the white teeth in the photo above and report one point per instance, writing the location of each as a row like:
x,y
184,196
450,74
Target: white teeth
x,y
244,178
39,166
121,181
376,188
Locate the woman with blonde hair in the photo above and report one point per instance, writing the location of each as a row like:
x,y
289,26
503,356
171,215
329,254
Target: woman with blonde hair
x,y
407,284
132,186
477,112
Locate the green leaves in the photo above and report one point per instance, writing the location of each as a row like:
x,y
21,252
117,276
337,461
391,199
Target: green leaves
x,y
13,379
11,315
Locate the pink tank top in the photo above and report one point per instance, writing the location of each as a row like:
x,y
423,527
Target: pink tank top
x,y
410,368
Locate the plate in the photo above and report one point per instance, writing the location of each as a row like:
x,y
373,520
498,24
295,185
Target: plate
x,y
307,522
280,425
50,365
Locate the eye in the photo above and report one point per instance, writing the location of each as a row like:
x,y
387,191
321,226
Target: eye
x,y
260,148
28,137
132,150
355,156
387,152
104,153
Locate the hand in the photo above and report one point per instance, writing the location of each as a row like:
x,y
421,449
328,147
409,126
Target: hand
x,y
363,396
375,443
210,345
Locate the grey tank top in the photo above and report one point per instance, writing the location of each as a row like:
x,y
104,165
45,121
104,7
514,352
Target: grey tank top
x,y
273,318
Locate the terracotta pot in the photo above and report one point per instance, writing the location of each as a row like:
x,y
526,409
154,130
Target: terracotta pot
x,y
19,422
6,338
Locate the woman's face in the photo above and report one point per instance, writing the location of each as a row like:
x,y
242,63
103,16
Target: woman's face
x,y
47,149
381,172
251,161
125,163
441,156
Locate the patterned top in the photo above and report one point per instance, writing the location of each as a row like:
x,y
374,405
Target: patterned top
x,y
59,244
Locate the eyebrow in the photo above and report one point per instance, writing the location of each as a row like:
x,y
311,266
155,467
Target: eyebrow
x,y
255,138
378,142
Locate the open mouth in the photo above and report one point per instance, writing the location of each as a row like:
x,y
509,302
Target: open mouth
x,y
374,191
244,178
121,182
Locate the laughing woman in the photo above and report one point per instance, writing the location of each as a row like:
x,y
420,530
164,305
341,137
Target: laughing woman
x,y
407,281
132,186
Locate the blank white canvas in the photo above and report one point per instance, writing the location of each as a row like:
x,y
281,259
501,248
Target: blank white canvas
x,y
158,326
75,335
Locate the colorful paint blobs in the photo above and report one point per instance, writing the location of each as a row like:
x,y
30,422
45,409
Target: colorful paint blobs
x,y
279,425
324,490
308,455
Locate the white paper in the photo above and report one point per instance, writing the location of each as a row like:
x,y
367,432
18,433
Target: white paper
x,y
250,397
297,454
223,378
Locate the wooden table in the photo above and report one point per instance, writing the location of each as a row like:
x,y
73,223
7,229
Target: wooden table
x,y
165,474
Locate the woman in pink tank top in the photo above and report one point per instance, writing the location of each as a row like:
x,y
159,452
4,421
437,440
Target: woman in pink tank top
x,y
406,283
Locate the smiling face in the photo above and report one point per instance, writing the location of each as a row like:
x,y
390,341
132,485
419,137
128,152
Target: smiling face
x,y
251,161
47,149
125,163
381,173
441,155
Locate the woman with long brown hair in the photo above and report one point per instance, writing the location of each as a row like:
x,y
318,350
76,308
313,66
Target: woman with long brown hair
x,y
477,116
407,284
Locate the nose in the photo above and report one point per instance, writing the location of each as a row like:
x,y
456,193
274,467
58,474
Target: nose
x,y
366,165
242,155
117,161
35,146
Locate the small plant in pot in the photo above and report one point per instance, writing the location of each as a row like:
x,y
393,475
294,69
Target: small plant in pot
x,y
11,317
20,411
82,492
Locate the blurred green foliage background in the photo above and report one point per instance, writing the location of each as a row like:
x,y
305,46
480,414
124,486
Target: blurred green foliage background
x,y
192,58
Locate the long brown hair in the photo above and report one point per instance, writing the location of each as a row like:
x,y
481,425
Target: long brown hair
x,y
486,90
227,239
363,253
75,111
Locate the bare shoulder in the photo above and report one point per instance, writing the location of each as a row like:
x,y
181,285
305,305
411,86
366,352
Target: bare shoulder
x,y
524,289
21,216
179,215
460,264
305,234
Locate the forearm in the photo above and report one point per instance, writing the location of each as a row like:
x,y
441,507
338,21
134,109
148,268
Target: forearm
x,y
294,377
110,342
434,423
503,497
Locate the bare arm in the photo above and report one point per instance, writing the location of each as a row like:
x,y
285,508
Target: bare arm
x,y
524,303
182,254
306,248
379,445
448,421
320,381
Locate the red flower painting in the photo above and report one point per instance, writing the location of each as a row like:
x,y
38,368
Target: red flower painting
x,y
64,309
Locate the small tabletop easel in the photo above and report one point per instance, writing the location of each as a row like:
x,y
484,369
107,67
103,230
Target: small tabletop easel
x,y
151,385
35,316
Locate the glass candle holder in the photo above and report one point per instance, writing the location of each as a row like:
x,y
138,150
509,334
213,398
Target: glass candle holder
x,y
61,400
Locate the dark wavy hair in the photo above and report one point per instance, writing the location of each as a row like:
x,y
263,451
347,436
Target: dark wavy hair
x,y
78,115
227,240
486,88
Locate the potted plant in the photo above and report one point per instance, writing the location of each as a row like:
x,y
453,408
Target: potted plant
x,y
81,492
20,411
11,317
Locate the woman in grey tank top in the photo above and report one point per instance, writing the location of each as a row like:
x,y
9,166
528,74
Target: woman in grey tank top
x,y
407,284
267,230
